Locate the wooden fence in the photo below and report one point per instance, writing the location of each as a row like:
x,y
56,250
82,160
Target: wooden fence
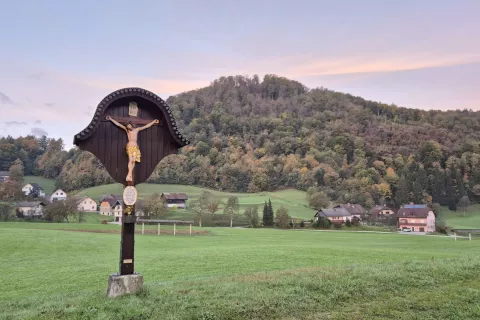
x,y
165,222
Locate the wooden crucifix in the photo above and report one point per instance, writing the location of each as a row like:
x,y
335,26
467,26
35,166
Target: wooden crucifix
x,y
131,132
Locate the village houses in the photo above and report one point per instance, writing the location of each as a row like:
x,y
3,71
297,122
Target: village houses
x,y
111,205
86,204
381,212
31,209
58,195
341,213
416,217
34,188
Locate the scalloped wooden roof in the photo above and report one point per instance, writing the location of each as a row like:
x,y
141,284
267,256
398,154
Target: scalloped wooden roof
x,y
131,92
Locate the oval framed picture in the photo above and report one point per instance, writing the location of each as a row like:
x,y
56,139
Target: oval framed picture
x,y
130,195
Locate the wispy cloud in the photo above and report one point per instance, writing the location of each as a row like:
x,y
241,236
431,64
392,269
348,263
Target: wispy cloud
x,y
38,132
37,122
15,123
375,64
49,104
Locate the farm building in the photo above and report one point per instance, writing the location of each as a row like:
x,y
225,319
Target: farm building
x,y
355,210
335,215
31,209
416,217
381,212
175,199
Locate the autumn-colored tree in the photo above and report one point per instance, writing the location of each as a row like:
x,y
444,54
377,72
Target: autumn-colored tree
x,y
154,206
16,171
282,219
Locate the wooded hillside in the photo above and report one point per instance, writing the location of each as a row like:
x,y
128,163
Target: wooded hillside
x,y
249,135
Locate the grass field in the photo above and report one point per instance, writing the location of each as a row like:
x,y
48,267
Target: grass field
x,y
240,274
293,200
462,220
48,185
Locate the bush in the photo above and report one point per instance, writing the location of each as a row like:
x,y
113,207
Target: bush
x,y
302,224
348,223
338,225
322,222
104,222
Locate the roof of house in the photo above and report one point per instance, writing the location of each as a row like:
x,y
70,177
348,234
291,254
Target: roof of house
x,y
34,185
335,212
4,174
378,209
78,200
352,208
413,211
175,196
103,197
30,203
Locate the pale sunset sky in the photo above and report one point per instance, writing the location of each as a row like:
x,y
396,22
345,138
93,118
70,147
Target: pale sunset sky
x,y
58,59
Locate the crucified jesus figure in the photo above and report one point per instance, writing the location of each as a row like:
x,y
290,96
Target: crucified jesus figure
x,y
133,151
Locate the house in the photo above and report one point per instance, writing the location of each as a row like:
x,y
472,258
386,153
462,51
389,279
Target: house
x,y
381,212
417,217
31,209
4,176
175,199
58,195
335,215
111,205
355,210
33,188
86,204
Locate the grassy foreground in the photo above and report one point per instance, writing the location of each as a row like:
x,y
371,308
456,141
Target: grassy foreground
x,y
240,274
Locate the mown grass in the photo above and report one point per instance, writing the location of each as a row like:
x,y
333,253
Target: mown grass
x,y
240,274
459,219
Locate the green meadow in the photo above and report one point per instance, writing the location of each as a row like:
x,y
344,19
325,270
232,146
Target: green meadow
x,y
239,274
48,185
293,200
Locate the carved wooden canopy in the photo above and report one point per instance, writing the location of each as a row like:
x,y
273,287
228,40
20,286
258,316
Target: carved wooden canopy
x,y
108,142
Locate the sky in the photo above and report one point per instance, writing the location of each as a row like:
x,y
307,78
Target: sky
x,y
59,59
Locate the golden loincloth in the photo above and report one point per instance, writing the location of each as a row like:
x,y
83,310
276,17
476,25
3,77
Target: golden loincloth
x,y
134,151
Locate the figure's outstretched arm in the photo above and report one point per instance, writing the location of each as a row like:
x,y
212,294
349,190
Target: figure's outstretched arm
x,y
116,123
148,125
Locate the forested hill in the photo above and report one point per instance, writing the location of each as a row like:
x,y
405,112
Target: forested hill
x,y
250,135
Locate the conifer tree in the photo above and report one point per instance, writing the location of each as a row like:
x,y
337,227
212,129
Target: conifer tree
x,y
265,214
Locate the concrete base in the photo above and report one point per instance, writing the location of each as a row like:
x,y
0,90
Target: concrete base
x,y
128,284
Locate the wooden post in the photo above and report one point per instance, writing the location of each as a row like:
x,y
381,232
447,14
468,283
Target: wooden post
x,y
455,236
174,228
143,227
158,229
127,243
190,229
469,236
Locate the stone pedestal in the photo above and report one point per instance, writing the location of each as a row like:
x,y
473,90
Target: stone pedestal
x,y
127,284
